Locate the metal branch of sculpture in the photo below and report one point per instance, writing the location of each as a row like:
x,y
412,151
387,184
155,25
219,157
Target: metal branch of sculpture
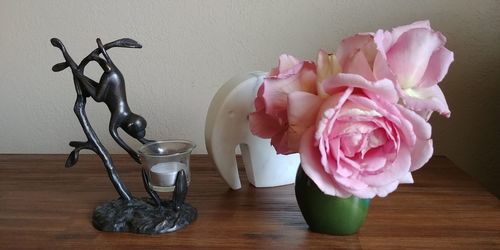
x,y
111,90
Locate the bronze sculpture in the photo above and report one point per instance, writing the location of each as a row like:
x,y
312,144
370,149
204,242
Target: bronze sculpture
x,y
157,216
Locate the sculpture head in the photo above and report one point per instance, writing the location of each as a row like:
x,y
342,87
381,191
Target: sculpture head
x,y
135,126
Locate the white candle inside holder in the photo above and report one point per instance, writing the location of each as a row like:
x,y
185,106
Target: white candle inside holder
x,y
164,174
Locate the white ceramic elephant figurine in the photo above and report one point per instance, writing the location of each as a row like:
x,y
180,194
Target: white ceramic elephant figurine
x,y
227,127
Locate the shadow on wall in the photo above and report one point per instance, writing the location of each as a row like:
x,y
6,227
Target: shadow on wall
x,y
470,137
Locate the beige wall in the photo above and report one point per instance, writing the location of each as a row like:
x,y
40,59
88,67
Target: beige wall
x,y
192,47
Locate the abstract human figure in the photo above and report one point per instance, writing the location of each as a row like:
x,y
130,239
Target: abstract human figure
x,y
120,215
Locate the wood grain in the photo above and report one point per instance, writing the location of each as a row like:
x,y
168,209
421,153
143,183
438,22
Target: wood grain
x,y
45,206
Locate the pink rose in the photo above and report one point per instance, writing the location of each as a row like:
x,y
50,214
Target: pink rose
x,y
286,104
418,61
364,143
412,56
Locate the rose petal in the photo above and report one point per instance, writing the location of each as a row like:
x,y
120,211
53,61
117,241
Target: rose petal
x,y
421,154
351,144
383,88
421,127
327,113
383,41
302,110
260,102
410,55
309,156
359,65
391,113
275,99
438,67
367,193
383,191
392,134
351,45
286,63
374,160
280,143
346,168
407,179
263,125
381,69
392,172
350,184
398,31
327,66
330,152
351,127
424,99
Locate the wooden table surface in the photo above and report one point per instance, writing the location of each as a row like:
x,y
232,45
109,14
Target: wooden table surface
x,y
45,206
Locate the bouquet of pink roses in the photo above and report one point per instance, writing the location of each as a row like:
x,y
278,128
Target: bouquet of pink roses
x,y
359,117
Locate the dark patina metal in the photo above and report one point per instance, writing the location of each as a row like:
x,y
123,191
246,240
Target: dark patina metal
x,y
126,214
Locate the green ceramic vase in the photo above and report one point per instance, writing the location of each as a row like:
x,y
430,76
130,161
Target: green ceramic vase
x,y
328,214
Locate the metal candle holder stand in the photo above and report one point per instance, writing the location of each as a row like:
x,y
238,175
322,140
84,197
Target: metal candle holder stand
x,y
127,213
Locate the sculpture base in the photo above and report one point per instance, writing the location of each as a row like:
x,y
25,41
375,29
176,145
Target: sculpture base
x,y
142,216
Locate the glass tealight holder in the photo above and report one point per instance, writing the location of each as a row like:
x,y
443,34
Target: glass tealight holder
x,y
162,160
